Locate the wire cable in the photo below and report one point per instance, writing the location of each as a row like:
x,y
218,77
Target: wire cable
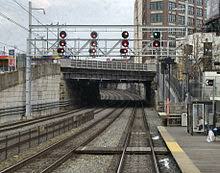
x,y
16,23
12,46
20,5
11,20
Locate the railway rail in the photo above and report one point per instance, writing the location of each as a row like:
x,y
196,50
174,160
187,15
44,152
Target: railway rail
x,y
137,140
51,157
21,124
34,135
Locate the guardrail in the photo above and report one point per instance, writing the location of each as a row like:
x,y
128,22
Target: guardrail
x,y
20,110
108,65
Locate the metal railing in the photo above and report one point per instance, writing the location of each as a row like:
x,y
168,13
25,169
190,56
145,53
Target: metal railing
x,y
19,141
108,65
20,110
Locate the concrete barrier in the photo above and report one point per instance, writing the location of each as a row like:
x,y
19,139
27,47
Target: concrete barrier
x,y
10,79
45,89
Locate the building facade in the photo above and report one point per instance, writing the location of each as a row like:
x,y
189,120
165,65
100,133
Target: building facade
x,y
213,16
169,13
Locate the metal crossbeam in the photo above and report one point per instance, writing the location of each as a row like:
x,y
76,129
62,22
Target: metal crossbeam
x,y
106,26
109,40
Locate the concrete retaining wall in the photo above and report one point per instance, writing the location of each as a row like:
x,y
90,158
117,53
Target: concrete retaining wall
x,y
10,79
45,89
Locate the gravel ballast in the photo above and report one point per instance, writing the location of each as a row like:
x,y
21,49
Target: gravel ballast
x,y
93,163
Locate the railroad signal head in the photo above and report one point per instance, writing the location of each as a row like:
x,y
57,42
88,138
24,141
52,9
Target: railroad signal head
x,y
208,48
94,43
63,34
92,50
123,51
125,34
156,35
60,50
156,43
94,34
62,43
125,43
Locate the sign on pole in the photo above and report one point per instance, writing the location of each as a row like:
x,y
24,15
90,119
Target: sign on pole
x,y
209,82
11,52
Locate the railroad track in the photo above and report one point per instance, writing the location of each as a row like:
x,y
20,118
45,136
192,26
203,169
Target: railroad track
x,y
53,156
21,124
137,140
12,144
24,123
18,137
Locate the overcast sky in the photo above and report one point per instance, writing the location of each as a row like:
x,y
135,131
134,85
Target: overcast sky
x,y
64,12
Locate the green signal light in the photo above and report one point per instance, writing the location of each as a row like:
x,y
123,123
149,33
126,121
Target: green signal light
x,y
156,35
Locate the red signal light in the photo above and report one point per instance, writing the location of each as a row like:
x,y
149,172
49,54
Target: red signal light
x,y
63,34
125,34
92,50
125,43
156,43
62,43
94,43
94,34
123,51
60,50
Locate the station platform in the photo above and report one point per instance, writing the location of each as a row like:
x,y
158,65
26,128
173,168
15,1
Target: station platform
x,y
192,153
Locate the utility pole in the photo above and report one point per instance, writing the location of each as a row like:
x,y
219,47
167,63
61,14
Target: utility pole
x,y
28,63
28,66
186,35
186,18
168,61
213,99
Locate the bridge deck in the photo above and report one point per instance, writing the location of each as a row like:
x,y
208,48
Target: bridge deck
x,y
108,65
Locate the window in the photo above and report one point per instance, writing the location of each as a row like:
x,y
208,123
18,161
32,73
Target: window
x,y
199,2
199,12
156,5
190,21
155,18
181,20
172,18
191,1
182,6
199,23
171,5
191,10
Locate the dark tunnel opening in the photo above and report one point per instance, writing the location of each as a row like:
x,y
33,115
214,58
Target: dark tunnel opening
x,y
106,93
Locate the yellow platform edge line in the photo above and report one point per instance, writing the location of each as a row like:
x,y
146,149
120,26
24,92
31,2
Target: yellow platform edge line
x,y
185,163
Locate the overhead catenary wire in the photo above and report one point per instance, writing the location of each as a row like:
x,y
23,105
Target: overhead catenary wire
x,y
16,23
11,46
27,11
20,5
13,21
